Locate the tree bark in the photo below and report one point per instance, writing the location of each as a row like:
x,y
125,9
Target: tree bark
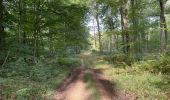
x,y
122,28
94,29
2,33
36,28
163,26
99,33
24,15
136,34
125,28
20,9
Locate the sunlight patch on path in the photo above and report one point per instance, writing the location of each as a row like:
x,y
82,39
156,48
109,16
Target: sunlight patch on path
x,y
78,92
75,91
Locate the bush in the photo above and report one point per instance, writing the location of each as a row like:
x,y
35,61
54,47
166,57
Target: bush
x,y
21,80
161,64
38,72
94,51
19,67
119,59
70,62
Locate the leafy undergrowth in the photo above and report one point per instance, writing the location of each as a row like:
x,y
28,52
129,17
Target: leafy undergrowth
x,y
22,81
150,62
146,85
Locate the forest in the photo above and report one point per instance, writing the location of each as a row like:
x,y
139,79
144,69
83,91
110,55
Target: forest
x,y
84,49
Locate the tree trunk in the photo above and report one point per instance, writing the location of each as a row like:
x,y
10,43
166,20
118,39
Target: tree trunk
x,y
125,27
24,35
110,43
94,29
136,34
36,28
163,26
125,21
122,28
2,33
20,8
99,33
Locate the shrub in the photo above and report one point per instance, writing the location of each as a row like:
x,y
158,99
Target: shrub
x,y
119,59
62,61
160,64
163,64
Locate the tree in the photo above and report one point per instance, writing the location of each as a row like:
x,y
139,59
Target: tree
x,y
98,27
125,27
2,33
163,28
122,28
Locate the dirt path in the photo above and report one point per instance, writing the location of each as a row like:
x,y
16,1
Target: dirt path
x,y
77,87
86,83
73,88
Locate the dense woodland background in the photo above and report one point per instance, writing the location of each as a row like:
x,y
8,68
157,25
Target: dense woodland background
x,y
40,40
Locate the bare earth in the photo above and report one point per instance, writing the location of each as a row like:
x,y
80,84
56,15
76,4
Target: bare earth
x,y
74,87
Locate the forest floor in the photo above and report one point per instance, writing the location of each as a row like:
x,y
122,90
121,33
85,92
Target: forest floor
x,y
89,83
92,79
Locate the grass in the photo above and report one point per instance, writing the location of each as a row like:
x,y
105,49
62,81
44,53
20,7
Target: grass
x,y
146,85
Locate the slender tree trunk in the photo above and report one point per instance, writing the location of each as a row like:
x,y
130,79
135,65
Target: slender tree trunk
x,y
34,32
110,43
122,28
2,33
147,42
116,41
125,20
24,35
36,28
20,8
136,34
94,29
50,40
163,26
125,27
24,38
99,33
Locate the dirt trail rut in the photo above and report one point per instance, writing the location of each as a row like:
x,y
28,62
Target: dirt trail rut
x,y
75,87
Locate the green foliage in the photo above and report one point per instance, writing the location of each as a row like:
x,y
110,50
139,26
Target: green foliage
x,y
42,26
164,64
24,80
69,61
119,59
30,93
156,65
93,50
143,84
33,30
